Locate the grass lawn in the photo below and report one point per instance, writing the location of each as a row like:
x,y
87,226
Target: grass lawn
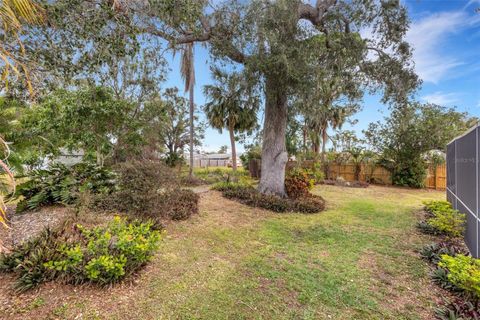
x,y
356,260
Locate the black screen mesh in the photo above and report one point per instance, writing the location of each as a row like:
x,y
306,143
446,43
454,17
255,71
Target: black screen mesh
x,y
463,170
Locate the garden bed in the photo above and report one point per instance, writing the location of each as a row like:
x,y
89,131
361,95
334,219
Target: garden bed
x,y
307,203
27,225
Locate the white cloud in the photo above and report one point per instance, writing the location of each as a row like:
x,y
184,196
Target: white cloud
x,y
428,36
471,2
441,98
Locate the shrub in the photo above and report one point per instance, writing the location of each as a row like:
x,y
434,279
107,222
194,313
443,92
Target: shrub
x,y
27,260
77,254
250,196
463,272
433,207
434,251
411,173
139,186
315,173
297,183
179,204
309,204
211,176
450,222
443,219
62,184
252,152
151,190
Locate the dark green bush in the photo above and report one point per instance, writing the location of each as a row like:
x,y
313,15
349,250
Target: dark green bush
x,y
76,254
411,173
62,184
250,196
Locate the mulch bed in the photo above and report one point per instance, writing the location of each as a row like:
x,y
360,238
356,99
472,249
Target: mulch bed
x,y
27,225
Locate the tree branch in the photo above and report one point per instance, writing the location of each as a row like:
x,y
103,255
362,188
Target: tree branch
x,y
209,33
314,14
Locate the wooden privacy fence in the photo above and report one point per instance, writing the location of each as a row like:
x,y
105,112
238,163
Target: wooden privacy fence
x,y
436,177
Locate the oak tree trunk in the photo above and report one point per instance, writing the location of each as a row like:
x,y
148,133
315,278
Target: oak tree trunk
x,y
234,151
274,153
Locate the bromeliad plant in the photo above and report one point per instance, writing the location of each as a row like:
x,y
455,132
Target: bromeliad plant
x,y
62,184
77,254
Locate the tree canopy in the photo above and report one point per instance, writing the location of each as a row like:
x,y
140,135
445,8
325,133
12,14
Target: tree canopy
x,y
409,132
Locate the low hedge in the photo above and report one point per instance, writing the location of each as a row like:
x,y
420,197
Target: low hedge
x,y
442,219
463,272
250,196
453,269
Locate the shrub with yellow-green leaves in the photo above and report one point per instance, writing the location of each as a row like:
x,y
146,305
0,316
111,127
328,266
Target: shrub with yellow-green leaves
x,y
443,219
78,254
463,272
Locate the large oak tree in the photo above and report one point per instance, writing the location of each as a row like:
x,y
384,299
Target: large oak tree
x,y
272,40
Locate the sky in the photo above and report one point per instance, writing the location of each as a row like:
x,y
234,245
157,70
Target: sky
x,y
445,36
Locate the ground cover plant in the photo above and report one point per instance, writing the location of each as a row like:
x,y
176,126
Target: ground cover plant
x,y
247,194
77,254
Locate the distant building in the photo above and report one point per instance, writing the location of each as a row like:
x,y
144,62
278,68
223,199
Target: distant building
x,y
204,160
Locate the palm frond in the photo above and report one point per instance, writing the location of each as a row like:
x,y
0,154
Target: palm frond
x,y
187,70
13,15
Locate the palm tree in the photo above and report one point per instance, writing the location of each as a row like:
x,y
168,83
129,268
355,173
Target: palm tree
x,y
319,120
187,71
13,13
232,105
